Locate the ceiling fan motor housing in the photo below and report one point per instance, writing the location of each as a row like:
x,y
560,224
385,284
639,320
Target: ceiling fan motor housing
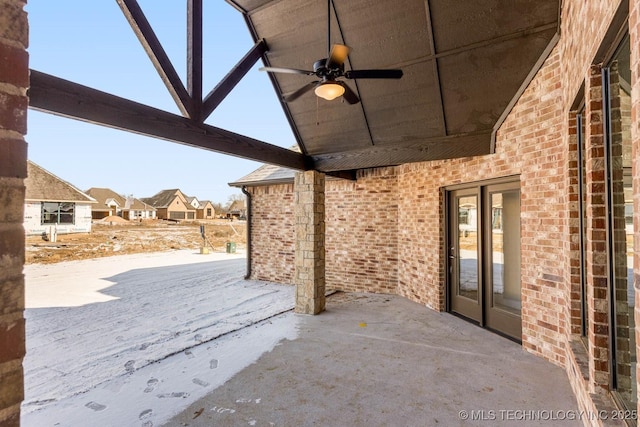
x,y
328,71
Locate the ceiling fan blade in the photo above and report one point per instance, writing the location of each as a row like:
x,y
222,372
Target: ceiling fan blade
x,y
286,70
373,74
298,93
338,55
349,95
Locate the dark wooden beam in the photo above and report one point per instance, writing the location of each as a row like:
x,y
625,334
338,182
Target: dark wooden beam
x,y
396,153
194,55
435,68
222,89
54,95
157,54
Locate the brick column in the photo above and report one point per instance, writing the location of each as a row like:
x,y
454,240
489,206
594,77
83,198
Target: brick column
x,y
310,229
598,331
14,80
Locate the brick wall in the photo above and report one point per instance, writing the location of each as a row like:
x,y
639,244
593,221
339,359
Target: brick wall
x,y
572,246
597,291
362,232
529,143
14,80
399,211
365,210
272,233
385,231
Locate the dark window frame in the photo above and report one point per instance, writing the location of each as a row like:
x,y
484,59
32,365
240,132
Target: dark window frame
x,y
64,213
611,228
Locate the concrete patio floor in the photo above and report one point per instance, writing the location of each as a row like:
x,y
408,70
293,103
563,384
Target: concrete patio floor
x,y
381,360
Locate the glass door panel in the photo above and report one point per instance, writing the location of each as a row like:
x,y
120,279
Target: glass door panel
x,y
463,252
467,247
505,251
501,252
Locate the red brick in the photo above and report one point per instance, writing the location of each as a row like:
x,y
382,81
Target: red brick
x,y
13,155
13,22
11,392
12,340
13,112
14,66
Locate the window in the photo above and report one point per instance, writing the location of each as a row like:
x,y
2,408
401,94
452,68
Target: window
x,y
620,248
57,213
208,211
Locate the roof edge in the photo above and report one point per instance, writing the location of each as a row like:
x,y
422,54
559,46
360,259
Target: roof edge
x,y
240,184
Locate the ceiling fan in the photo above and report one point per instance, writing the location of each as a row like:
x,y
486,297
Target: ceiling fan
x,y
329,70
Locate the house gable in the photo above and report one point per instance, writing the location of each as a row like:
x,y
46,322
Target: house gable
x,y
206,210
54,204
42,185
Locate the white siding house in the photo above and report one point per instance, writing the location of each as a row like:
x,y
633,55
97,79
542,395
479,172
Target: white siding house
x,y
52,204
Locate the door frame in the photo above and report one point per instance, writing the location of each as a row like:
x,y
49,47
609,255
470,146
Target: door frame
x,y
473,309
496,318
484,231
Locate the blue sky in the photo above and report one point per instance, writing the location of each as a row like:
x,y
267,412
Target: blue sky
x,y
91,43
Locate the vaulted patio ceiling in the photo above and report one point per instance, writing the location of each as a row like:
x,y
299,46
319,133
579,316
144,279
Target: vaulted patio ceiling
x,y
464,62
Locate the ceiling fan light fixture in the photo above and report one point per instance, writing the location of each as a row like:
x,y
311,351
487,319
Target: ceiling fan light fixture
x,y
329,90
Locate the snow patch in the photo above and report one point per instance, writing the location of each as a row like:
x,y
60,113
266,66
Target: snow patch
x,y
122,339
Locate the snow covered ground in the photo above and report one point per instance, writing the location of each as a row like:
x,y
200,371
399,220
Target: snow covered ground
x,y
134,339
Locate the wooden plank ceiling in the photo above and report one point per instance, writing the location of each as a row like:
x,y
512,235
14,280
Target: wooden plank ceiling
x,y
463,62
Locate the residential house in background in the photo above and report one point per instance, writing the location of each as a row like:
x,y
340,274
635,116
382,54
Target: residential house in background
x,y
206,210
237,210
108,202
193,201
53,205
171,204
135,209
111,203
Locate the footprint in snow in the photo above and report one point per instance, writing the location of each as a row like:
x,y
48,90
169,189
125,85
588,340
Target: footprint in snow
x,y
145,414
174,394
95,406
189,354
151,385
129,366
200,382
213,364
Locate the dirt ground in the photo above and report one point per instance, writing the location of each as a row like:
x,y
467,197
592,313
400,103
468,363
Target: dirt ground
x,y
119,237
